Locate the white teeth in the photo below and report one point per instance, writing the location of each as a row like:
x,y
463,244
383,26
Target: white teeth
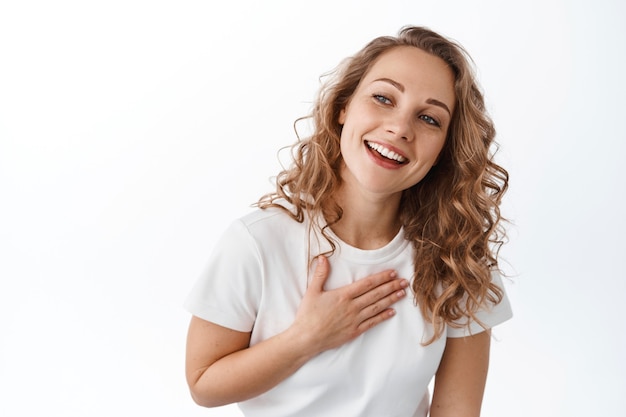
x,y
387,153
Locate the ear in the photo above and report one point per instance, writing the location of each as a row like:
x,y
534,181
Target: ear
x,y
342,116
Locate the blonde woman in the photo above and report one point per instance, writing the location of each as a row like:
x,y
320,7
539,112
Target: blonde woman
x,y
373,265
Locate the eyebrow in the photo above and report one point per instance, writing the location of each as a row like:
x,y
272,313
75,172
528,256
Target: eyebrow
x,y
440,104
429,101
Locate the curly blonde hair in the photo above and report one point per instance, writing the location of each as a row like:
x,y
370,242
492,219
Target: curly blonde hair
x,y
451,216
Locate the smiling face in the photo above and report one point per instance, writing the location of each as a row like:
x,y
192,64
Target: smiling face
x,y
396,122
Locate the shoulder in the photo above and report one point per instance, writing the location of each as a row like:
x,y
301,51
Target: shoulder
x,y
263,231
488,316
260,217
270,220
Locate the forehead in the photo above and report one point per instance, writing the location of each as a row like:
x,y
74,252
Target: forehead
x,y
414,69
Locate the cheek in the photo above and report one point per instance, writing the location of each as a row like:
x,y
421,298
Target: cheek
x,y
431,149
439,152
344,139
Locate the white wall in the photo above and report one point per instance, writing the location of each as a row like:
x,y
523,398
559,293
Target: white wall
x,y
132,132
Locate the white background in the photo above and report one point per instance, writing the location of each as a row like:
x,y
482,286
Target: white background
x,y
132,132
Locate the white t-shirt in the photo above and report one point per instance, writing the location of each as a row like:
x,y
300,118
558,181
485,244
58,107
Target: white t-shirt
x,y
255,280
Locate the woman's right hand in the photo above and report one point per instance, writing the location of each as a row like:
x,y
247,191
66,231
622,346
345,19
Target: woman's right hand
x,y
223,368
331,318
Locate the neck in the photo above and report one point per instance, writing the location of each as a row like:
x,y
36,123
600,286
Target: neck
x,y
367,222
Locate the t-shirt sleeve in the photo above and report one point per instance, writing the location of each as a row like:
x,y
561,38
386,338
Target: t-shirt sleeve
x,y
228,292
490,316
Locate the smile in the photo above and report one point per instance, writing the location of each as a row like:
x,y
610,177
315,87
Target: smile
x,y
386,153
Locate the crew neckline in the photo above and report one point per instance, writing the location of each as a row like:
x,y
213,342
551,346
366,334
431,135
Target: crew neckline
x,y
370,256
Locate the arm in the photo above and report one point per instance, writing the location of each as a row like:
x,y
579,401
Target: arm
x,y
222,368
461,377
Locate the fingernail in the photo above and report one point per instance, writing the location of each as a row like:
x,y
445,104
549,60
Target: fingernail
x,y
404,283
391,313
401,293
393,274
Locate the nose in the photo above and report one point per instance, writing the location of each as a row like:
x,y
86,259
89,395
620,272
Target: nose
x,y
400,125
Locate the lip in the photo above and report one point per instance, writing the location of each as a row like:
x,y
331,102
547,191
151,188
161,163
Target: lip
x,y
382,161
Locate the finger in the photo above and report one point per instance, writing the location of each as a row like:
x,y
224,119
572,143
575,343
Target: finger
x,y
367,284
390,290
370,282
373,321
382,304
320,274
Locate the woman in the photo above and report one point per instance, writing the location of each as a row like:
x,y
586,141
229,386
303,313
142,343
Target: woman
x,y
372,267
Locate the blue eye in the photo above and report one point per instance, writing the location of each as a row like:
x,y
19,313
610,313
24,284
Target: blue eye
x,y
382,99
429,120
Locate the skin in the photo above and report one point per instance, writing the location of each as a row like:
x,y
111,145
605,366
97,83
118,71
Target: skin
x,y
403,104
461,377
